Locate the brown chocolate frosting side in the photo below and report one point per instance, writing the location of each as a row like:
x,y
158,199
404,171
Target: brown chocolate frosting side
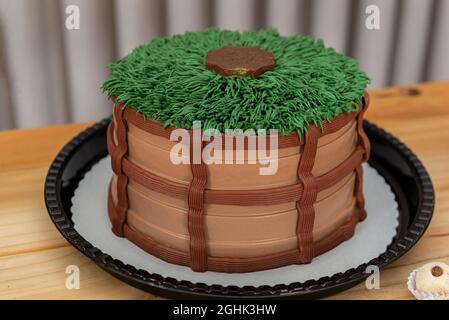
x,y
304,193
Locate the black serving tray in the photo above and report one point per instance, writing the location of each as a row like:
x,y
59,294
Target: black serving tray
x,y
401,169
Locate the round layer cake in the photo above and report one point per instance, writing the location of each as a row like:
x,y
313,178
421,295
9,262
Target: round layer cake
x,y
236,151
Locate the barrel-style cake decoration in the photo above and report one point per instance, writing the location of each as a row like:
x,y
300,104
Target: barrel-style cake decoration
x,y
236,151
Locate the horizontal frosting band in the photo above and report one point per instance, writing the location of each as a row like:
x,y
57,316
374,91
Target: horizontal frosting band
x,y
229,264
292,140
236,197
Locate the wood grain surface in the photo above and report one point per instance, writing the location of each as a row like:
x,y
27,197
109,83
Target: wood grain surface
x,y
34,256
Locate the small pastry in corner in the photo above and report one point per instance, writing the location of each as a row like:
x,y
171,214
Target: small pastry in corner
x,y
433,277
430,282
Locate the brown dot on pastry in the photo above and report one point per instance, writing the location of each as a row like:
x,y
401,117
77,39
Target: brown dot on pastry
x,y
437,271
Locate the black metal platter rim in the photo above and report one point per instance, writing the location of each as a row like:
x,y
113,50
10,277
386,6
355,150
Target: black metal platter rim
x,y
173,288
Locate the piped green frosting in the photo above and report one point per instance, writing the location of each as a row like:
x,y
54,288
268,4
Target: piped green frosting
x,y
166,80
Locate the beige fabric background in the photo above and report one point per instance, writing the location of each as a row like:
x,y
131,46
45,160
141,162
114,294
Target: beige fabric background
x,y
52,75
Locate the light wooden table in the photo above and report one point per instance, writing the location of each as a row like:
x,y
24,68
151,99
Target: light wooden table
x,y
34,256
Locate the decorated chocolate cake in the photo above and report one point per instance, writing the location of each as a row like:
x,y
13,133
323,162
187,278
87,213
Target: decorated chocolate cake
x,y
236,151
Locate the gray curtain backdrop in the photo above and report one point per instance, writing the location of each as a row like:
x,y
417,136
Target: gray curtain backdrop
x,y
49,74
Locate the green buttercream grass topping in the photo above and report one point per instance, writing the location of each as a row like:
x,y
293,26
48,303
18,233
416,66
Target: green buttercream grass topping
x,y
166,80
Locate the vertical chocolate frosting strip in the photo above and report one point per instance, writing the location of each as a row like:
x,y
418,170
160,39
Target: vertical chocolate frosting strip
x,y
195,216
306,211
363,138
118,220
366,146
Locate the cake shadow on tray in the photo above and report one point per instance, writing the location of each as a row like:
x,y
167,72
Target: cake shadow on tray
x,y
239,155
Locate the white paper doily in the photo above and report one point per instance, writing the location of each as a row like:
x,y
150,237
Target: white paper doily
x,y
371,237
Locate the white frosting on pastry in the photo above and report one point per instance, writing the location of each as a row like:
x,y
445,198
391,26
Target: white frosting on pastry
x,y
433,277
